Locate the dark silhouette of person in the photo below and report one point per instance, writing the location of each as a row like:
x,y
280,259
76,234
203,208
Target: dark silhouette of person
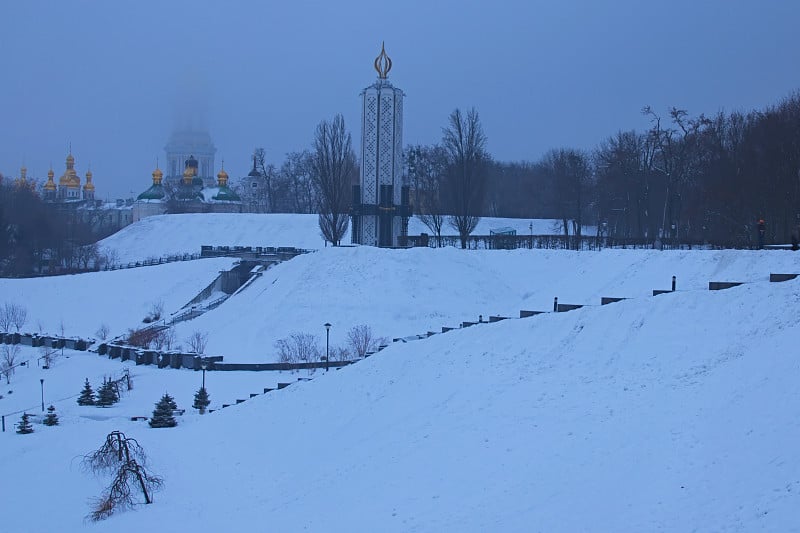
x,y
762,231
796,238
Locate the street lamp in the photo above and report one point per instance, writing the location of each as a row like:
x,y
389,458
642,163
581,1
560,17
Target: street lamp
x,y
530,227
204,366
41,382
327,344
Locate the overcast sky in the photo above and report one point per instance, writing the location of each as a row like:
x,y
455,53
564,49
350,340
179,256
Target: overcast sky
x,y
110,77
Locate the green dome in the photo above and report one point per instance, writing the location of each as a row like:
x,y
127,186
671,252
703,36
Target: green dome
x,y
155,192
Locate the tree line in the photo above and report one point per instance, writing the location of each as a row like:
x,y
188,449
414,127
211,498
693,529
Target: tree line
x,y
38,237
695,179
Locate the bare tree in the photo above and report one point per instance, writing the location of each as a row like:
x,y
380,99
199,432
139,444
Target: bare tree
x,y
465,144
427,167
103,331
297,171
569,171
361,340
197,342
5,318
8,359
48,354
12,314
333,170
125,459
298,347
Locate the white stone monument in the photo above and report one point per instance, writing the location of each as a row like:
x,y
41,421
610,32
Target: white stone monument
x,y
381,203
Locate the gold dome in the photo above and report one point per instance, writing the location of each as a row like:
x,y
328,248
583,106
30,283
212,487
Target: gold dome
x,y
23,173
188,174
89,185
70,178
50,185
157,176
223,178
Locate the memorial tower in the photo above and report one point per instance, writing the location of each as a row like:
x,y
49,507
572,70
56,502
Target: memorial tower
x,y
381,202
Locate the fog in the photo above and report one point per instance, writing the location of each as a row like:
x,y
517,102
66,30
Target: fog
x,y
113,79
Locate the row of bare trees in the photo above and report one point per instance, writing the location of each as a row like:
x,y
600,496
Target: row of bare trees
x,y
686,178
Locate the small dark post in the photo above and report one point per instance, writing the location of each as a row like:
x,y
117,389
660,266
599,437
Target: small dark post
x,y
41,382
555,304
480,319
673,283
327,345
4,423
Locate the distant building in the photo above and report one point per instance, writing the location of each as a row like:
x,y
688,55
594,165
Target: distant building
x,y
194,144
253,190
189,195
70,196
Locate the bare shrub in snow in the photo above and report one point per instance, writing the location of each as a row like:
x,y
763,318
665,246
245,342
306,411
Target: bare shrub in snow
x,y
361,339
47,354
197,342
298,347
125,459
155,313
142,338
339,353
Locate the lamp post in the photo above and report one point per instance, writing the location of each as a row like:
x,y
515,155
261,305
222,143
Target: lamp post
x,y
41,382
327,344
204,366
530,227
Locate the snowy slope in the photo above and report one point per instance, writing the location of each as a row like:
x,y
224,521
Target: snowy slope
x,y
409,292
118,298
679,412
165,235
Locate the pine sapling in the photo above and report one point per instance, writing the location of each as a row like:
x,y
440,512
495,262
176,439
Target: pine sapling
x,y
201,400
51,418
163,413
87,394
24,425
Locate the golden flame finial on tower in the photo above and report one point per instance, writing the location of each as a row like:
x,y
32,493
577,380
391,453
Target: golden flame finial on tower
x,y
383,64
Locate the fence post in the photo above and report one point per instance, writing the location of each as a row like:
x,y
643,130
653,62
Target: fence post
x,y
4,423
555,304
673,283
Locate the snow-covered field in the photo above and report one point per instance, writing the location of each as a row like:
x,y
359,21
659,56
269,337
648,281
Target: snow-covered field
x,y
679,412
164,235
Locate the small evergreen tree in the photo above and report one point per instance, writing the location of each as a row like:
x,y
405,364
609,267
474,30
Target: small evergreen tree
x,y
107,394
24,425
51,419
201,400
171,402
162,414
87,394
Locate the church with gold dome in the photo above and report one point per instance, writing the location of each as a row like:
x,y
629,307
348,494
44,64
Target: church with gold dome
x,y
191,194
69,185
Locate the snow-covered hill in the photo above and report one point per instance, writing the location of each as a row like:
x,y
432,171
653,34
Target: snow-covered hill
x,y
165,235
676,413
120,299
408,292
